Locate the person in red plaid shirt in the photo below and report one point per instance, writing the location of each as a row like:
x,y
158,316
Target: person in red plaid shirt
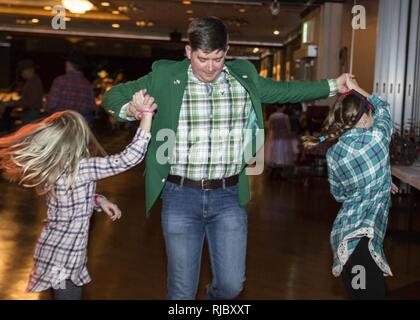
x,y
54,155
72,91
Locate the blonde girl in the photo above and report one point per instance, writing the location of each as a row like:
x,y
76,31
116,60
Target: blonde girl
x,y
57,157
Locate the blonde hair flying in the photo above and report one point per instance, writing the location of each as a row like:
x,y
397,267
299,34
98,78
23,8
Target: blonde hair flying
x,y
38,154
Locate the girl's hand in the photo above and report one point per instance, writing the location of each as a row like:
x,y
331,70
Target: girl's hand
x,y
110,209
141,103
394,188
352,83
342,83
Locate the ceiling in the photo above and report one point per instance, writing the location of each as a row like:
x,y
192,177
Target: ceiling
x,y
249,22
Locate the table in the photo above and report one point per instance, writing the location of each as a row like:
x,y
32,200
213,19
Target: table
x,y
408,174
411,176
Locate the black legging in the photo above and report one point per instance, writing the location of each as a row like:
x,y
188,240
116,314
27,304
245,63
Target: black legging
x,y
70,292
375,282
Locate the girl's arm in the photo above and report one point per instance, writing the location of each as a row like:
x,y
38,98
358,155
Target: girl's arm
x,y
382,122
336,188
102,167
97,168
111,209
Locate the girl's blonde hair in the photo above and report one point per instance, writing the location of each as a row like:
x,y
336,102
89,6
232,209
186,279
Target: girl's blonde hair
x,y
344,115
38,154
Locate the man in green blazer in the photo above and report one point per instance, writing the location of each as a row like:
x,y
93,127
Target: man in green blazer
x,y
209,113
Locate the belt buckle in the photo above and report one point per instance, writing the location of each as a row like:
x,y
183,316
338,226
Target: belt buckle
x,y
203,184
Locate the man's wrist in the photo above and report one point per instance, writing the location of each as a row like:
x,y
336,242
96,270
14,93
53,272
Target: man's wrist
x,y
125,113
333,84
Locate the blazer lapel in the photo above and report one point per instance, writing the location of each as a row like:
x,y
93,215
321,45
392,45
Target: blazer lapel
x,y
245,80
178,81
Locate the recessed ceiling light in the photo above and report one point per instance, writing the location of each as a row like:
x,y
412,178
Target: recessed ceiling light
x,y
115,12
67,19
105,4
189,11
77,6
21,21
186,2
48,8
115,25
141,23
150,24
35,20
276,32
255,50
9,37
242,10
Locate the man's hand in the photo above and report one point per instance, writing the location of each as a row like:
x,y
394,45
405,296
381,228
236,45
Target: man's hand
x,y
141,100
342,82
353,85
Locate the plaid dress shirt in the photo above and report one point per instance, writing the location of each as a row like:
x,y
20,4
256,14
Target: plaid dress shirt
x,y
359,173
61,250
210,136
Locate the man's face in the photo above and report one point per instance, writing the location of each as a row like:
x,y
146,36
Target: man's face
x,y
206,66
27,73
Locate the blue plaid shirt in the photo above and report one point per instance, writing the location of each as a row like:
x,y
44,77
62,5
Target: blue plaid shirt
x,y
359,173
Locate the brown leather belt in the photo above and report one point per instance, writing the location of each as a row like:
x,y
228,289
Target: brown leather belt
x,y
204,184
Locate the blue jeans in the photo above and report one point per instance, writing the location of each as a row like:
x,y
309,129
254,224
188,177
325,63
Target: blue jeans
x,y
188,216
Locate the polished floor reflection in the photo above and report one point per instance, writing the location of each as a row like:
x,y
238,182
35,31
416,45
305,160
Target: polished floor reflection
x,y
288,253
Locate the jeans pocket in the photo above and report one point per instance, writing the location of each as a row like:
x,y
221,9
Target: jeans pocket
x,y
171,187
232,189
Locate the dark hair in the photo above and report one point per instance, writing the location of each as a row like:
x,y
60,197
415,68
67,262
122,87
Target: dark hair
x,y
78,61
25,64
207,34
344,115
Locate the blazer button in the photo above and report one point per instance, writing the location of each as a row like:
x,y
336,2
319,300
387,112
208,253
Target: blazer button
x,y
163,180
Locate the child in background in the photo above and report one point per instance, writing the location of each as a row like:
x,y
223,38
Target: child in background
x,y
279,152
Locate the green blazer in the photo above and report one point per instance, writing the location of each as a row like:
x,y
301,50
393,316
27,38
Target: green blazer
x,y
166,83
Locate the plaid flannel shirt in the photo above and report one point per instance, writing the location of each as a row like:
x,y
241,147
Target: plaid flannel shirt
x,y
210,139
210,136
71,91
61,250
359,173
